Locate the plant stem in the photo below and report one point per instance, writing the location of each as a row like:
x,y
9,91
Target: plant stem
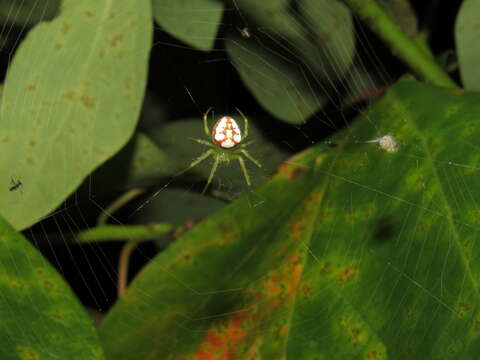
x,y
423,65
117,204
123,268
132,233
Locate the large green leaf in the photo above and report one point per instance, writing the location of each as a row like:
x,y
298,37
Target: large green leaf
x,y
195,21
71,100
40,316
294,55
467,33
140,163
355,253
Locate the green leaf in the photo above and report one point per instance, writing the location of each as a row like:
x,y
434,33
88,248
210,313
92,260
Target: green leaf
x,y
355,252
291,61
140,163
195,22
176,206
41,318
278,85
467,33
76,107
28,12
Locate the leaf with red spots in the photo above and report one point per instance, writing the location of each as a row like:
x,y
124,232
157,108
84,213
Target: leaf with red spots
x,y
76,107
40,316
354,253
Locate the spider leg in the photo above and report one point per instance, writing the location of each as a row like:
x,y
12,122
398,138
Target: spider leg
x,y
205,122
212,172
250,157
244,145
197,161
203,142
245,121
244,170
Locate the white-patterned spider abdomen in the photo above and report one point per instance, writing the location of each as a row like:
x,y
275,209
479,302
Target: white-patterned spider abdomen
x,y
226,133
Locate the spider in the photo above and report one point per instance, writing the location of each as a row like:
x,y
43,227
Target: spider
x,y
225,146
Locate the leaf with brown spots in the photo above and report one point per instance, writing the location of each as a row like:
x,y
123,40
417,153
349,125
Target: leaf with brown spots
x,y
40,316
79,108
303,275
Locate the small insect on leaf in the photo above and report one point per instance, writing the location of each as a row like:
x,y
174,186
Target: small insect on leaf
x,y
15,184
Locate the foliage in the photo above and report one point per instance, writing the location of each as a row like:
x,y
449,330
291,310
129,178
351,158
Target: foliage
x,y
346,249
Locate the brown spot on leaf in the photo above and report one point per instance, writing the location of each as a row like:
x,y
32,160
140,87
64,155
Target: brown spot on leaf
x,y
89,14
456,91
290,169
140,162
87,101
297,227
20,285
101,54
228,235
112,15
57,46
28,353
462,308
48,285
32,143
58,315
6,139
30,87
306,291
374,354
353,331
70,95
326,269
225,340
65,28
477,325
348,274
30,161
115,40
297,172
128,80
471,128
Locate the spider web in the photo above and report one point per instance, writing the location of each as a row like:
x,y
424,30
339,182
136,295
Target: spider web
x,y
183,84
